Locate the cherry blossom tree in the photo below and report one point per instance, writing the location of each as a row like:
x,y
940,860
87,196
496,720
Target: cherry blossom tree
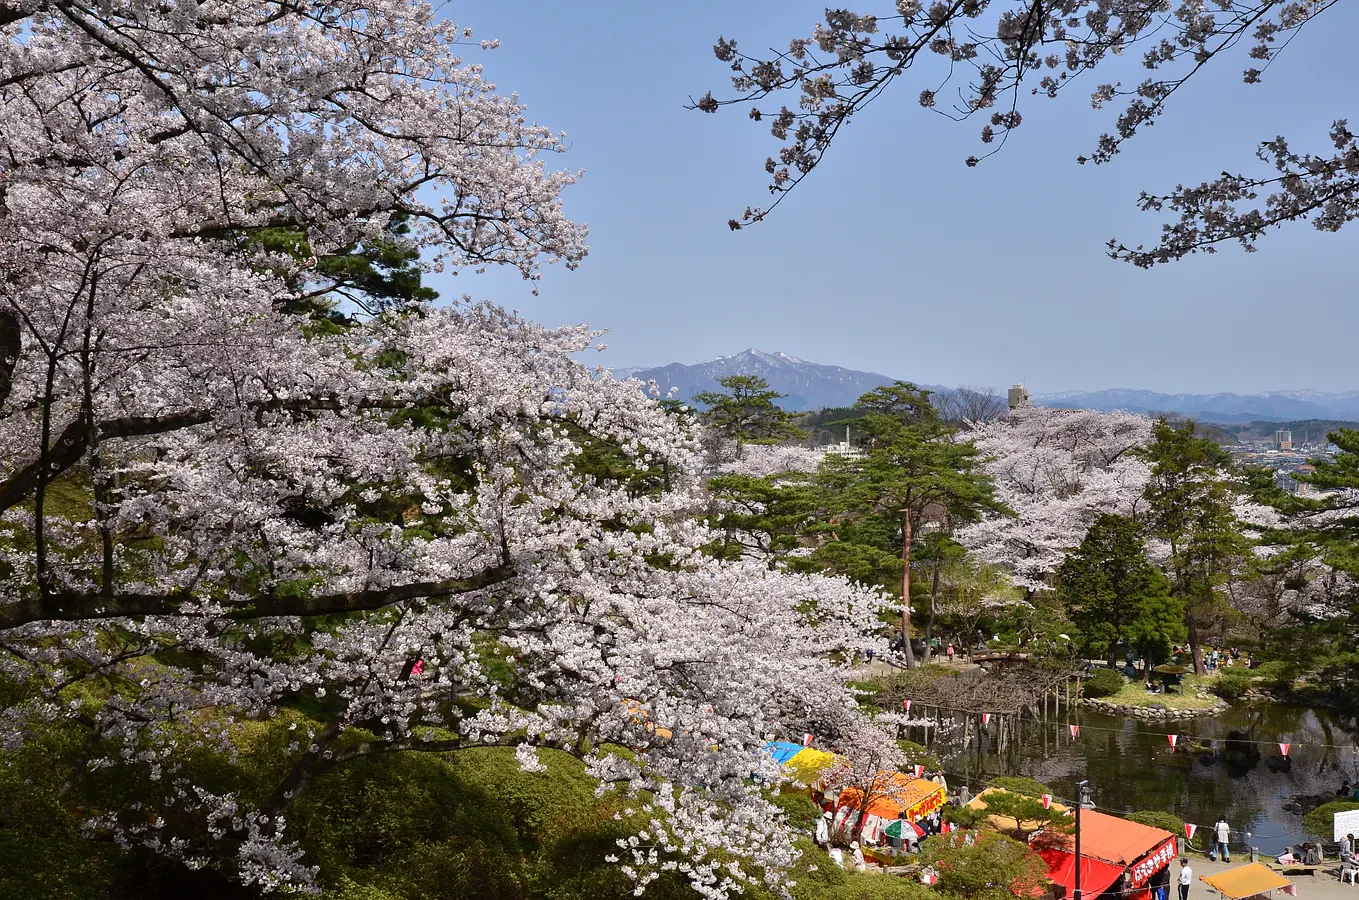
x,y
1056,470
227,488
991,57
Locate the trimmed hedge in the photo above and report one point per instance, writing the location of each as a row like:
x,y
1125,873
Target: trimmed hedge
x,y
1158,819
1104,683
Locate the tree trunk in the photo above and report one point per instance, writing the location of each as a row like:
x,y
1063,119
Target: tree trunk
x,y
906,588
934,595
1196,651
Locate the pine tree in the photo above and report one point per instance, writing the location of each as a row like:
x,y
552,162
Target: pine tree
x,y
912,465
746,412
1113,594
1190,497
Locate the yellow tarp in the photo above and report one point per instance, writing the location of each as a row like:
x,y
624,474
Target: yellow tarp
x,y
807,765
1245,881
1007,823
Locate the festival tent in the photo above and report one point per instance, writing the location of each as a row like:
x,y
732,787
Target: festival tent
x,y
1140,852
782,751
1096,875
891,796
1247,881
806,764
894,793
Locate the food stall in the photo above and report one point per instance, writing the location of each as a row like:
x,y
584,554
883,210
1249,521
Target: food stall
x,y
1123,859
891,797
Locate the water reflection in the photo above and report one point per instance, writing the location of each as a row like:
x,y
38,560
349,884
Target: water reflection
x,y
1131,766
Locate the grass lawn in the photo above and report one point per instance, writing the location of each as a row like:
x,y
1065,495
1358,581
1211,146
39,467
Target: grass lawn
x,y
1135,694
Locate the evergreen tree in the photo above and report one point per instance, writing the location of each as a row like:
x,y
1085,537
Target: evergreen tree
x,y
746,412
912,463
1321,637
1190,497
1113,594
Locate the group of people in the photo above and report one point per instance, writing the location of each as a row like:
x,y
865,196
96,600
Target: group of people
x,y
1215,658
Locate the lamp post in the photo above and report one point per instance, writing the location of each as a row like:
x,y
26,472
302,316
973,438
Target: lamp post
x,y
1080,801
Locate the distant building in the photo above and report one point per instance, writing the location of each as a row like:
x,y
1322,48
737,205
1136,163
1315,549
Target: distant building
x,y
845,448
1019,398
1283,440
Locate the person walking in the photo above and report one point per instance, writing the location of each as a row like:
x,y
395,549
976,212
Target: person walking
x,y
859,864
1186,879
1221,833
950,651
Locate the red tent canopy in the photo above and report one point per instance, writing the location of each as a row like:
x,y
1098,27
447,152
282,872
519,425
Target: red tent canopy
x,y
1110,846
1116,840
1096,875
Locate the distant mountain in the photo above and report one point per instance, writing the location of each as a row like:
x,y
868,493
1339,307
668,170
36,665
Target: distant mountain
x,y
1270,406
808,385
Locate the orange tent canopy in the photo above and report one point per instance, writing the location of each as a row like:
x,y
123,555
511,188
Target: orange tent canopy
x,y
1116,840
891,794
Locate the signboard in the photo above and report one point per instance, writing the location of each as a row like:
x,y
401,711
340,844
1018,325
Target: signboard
x,y
1346,823
927,805
1152,863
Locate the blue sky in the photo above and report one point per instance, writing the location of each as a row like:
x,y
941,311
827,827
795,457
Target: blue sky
x,y
894,257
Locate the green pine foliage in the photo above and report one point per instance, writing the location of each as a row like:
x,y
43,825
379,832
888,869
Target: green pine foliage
x,y
1114,595
745,411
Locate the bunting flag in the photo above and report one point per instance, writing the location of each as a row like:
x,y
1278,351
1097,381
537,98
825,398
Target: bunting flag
x,y
919,770
806,740
1283,748
1047,801
986,718
1173,738
906,705
418,668
1075,730
1189,829
928,878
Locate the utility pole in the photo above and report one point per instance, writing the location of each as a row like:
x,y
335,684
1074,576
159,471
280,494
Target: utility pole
x,y
1080,801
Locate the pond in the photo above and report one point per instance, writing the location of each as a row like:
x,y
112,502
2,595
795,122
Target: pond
x,y
1130,766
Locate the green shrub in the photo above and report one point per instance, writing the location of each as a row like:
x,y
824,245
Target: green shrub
x,y
1231,683
1104,683
1320,821
1276,674
994,866
1019,785
1158,819
798,808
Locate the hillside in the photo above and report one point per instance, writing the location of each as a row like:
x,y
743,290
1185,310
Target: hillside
x,y
807,385
1223,408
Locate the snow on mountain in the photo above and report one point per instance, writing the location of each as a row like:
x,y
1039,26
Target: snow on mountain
x,y
808,385
1226,408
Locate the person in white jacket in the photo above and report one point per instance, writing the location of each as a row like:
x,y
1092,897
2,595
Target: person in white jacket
x,y
823,830
1221,834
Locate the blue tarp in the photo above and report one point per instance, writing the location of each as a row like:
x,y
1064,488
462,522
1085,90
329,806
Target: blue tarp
x,y
782,751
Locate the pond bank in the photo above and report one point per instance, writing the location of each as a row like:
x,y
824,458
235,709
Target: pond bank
x,y
1131,765
1153,710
